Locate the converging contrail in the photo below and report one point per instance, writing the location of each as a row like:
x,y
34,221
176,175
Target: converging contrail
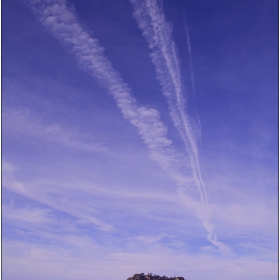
x,y
64,25
164,55
189,52
191,68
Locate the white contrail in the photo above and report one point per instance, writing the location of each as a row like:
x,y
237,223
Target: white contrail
x,y
191,71
190,53
164,56
55,15
158,34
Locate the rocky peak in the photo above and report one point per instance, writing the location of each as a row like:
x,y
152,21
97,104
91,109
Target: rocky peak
x,y
151,276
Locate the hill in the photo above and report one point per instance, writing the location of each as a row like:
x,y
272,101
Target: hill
x,y
151,276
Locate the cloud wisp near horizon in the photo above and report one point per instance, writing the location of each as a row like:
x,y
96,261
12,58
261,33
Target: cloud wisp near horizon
x,y
105,170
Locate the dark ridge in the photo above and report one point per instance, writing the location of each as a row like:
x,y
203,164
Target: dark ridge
x,y
151,276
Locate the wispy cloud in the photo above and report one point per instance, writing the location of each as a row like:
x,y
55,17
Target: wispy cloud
x,y
46,263
105,207
19,122
25,214
48,197
164,55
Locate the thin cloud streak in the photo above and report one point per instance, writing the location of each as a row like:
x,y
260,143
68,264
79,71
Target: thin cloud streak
x,y
40,195
191,69
189,52
164,55
20,122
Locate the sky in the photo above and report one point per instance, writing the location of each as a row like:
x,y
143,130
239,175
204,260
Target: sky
x,y
139,136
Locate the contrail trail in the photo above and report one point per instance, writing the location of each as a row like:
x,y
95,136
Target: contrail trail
x,y
189,52
191,69
164,55
63,24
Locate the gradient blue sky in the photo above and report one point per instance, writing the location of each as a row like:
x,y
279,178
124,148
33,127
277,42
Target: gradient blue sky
x,y
139,137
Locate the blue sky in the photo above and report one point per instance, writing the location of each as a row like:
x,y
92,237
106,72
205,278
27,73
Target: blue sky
x,y
139,136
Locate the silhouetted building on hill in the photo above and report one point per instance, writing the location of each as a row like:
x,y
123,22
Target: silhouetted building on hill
x,y
151,276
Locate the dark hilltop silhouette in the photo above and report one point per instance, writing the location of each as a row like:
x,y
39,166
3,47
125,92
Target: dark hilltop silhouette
x,y
151,276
